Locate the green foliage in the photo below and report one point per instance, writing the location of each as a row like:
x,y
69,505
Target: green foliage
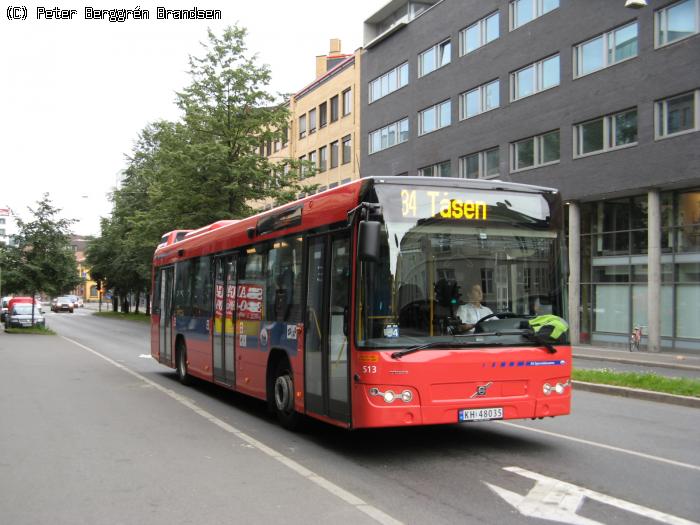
x,y
204,168
43,260
13,279
648,381
37,330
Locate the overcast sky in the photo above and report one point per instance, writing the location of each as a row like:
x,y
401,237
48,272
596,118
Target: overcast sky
x,y
74,94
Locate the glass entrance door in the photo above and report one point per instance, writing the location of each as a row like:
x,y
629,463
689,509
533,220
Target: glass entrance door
x,y
166,315
326,319
224,322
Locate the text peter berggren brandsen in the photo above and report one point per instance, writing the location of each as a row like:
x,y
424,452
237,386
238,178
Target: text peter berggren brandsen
x,y
122,15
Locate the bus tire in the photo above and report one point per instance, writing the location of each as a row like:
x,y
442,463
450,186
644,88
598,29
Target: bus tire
x,y
283,396
181,364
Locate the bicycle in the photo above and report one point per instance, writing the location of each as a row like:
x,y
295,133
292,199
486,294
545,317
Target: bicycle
x,y
635,338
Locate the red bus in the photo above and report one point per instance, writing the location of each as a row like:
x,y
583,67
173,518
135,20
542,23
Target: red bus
x,y
349,306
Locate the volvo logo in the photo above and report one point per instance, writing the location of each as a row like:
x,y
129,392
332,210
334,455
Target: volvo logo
x,y
481,390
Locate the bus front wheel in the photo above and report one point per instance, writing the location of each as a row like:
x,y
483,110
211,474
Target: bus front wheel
x,y
284,397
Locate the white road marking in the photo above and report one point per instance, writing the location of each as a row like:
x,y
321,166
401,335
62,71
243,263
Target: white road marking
x,y
603,445
322,482
145,356
555,500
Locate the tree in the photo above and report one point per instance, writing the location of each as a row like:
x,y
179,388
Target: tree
x,y
43,255
203,168
13,279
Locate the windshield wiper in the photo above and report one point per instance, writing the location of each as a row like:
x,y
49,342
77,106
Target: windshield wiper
x,y
434,344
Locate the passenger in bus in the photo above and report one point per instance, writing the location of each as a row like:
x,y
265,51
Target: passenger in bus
x,y
471,312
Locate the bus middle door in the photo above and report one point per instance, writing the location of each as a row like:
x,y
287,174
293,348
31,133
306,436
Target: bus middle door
x,y
224,319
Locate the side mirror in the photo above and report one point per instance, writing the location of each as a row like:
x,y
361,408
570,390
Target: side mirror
x,y
368,240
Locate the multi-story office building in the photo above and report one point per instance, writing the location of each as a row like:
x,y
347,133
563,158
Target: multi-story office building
x,y
324,122
591,97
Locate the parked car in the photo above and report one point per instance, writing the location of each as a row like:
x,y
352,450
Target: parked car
x,y
20,316
62,304
22,299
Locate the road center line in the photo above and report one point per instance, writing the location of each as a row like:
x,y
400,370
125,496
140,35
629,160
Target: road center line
x,y
604,446
320,481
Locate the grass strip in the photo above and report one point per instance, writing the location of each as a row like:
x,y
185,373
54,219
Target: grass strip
x,y
41,330
131,316
647,381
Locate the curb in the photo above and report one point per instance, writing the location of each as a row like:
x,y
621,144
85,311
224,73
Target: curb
x,y
635,393
637,362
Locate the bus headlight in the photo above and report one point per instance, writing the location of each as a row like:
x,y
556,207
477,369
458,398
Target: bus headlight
x,y
559,388
389,396
547,389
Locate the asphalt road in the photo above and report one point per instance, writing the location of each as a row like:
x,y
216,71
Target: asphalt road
x,y
94,431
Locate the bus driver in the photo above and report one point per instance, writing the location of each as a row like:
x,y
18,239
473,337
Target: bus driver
x,y
473,310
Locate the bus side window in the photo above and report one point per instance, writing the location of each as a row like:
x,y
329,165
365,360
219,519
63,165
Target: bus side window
x,y
183,286
283,283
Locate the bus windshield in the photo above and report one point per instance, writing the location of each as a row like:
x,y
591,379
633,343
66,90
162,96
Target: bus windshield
x,y
451,257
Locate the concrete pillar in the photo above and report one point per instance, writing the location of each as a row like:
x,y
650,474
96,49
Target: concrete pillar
x,y
574,272
654,272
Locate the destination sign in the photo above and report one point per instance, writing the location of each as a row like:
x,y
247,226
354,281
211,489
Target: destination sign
x,y
421,203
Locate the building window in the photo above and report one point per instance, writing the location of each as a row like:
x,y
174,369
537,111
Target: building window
x,y
334,108
480,165
303,169
434,58
2,231
479,34
302,126
322,158
535,78
323,115
606,133
347,102
606,49
334,154
313,157
435,117
2,221
347,149
388,82
441,169
676,115
388,136
535,151
676,22
478,100
312,121
524,11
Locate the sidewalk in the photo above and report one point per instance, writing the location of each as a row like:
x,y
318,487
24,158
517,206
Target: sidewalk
x,y
664,359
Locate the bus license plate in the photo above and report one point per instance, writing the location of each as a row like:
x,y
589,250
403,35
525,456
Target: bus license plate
x,y
480,414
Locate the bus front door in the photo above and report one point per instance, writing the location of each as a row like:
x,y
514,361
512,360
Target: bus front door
x,y
166,316
326,341
224,322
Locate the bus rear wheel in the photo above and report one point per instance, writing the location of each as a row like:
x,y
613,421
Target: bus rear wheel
x,y
283,394
181,368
